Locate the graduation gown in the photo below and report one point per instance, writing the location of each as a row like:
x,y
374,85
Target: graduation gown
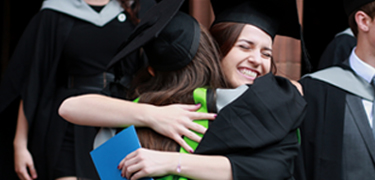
x,y
33,50
257,131
32,75
338,49
322,130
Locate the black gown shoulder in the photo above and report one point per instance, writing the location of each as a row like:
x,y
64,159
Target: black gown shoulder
x,y
258,130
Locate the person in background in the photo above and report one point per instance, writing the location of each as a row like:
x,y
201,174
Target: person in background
x,y
338,132
338,50
63,52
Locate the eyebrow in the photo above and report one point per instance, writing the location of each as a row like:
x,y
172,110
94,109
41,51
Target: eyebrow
x,y
252,43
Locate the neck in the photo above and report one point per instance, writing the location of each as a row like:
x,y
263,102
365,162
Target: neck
x,y
97,2
365,50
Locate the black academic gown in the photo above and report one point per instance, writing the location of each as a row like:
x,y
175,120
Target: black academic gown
x,y
322,130
32,76
337,51
38,49
257,131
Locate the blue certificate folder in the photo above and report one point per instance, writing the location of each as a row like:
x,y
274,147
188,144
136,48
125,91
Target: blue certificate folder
x,y
108,156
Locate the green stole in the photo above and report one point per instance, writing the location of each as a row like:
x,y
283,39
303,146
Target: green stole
x,y
199,97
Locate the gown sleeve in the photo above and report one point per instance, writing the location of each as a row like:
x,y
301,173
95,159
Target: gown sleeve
x,y
257,128
25,76
34,60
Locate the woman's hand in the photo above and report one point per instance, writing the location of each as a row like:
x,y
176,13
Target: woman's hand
x,y
148,163
23,162
175,121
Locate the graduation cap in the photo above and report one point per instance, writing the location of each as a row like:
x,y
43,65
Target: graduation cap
x,y
170,38
272,16
351,5
275,17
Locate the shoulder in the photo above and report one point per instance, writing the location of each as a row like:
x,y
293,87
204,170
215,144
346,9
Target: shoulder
x,y
298,86
45,16
309,83
48,13
344,40
145,5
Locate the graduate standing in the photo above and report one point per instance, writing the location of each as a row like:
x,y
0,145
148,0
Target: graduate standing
x,y
63,52
338,133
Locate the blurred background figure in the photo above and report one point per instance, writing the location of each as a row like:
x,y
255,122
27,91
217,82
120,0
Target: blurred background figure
x,y
64,51
338,50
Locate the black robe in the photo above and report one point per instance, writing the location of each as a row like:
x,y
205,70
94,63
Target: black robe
x,y
257,132
32,75
33,48
322,131
337,50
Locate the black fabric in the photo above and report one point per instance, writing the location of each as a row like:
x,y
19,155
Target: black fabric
x,y
97,8
65,167
34,75
176,45
151,27
211,100
270,162
89,48
352,5
29,50
337,51
322,131
259,127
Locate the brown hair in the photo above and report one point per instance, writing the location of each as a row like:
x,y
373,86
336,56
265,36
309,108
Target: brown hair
x,y
131,7
226,35
369,9
178,87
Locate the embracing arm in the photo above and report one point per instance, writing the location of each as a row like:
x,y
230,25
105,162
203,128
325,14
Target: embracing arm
x,y
173,121
150,163
103,111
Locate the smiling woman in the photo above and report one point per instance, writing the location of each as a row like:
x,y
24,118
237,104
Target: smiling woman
x,y
251,31
249,58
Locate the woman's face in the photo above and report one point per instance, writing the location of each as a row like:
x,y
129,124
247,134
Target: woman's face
x,y
249,58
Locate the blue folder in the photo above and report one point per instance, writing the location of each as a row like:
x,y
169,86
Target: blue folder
x,y
107,156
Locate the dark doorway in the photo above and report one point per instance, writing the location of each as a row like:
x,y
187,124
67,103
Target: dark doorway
x,y
322,19
15,15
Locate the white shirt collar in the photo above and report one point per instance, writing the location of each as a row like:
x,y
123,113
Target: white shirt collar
x,y
360,67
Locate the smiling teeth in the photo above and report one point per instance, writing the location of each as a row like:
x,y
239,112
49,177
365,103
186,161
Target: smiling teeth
x,y
249,73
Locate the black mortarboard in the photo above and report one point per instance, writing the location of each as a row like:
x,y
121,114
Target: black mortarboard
x,y
170,38
275,17
272,16
352,5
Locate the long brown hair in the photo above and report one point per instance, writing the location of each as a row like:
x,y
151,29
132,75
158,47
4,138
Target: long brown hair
x,y
226,35
178,86
131,7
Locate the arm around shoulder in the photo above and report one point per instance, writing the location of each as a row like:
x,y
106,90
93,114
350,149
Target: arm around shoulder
x,y
103,111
